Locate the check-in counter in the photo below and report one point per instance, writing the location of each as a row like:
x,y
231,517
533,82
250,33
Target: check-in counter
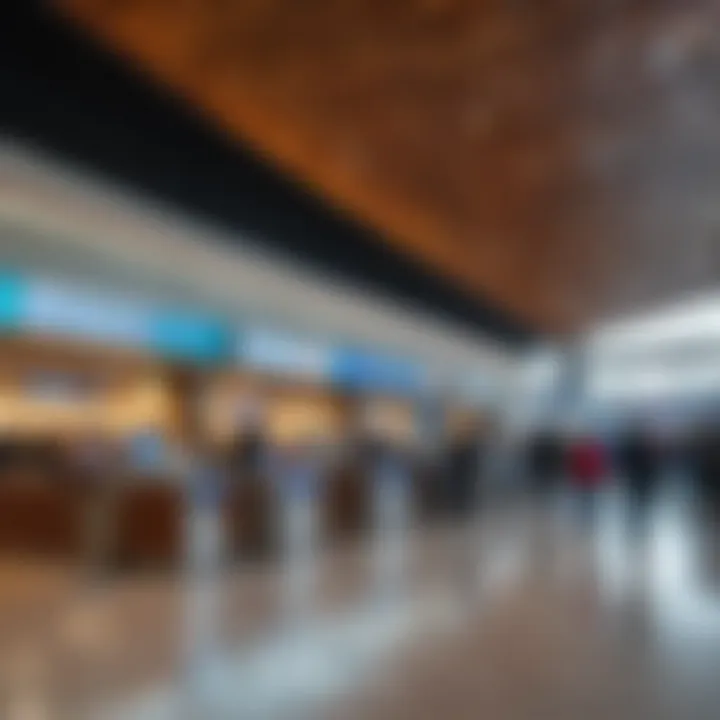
x,y
89,368
279,413
67,412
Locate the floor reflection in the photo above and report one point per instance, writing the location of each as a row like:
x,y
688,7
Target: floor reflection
x,y
527,610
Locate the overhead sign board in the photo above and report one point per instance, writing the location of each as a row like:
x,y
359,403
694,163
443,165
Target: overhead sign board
x,y
53,308
363,370
285,353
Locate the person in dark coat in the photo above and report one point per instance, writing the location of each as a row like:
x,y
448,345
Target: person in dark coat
x,y
463,475
639,461
544,461
587,470
705,463
246,451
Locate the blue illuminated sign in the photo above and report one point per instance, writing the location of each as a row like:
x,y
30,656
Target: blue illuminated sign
x,y
40,305
363,370
11,300
189,336
59,309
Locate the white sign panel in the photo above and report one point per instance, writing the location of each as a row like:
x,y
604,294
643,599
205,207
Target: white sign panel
x,y
58,309
285,354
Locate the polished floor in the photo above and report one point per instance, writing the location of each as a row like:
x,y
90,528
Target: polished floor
x,y
537,610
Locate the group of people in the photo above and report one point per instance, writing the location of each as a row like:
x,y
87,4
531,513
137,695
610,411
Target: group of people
x,y
636,457
586,461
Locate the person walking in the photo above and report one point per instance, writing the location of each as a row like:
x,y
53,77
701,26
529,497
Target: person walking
x,y
639,463
587,471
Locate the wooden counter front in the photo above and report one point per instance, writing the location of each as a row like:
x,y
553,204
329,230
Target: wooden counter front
x,y
347,505
149,523
41,519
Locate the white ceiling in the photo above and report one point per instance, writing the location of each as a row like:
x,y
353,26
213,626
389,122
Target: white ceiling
x,y
673,352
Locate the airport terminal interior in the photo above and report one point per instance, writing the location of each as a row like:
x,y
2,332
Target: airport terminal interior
x,y
359,360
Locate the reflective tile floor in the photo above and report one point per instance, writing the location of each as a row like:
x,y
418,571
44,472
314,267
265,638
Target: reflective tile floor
x,y
534,612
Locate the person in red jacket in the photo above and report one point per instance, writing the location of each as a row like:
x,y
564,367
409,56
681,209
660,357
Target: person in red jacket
x,y
587,470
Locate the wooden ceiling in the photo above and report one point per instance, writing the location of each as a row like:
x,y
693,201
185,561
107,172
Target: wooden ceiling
x,y
562,157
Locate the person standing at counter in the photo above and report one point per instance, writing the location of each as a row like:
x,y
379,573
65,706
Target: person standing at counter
x,y
463,475
587,470
544,462
297,470
391,504
704,460
204,486
248,446
639,462
251,496
472,462
247,451
96,460
147,451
